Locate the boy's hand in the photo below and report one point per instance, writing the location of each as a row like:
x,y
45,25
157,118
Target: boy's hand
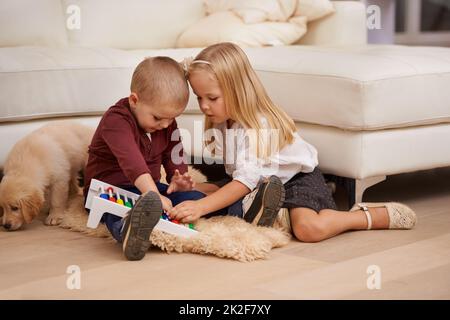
x,y
166,203
187,211
180,182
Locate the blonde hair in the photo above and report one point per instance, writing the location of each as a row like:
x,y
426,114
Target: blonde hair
x,y
160,80
244,95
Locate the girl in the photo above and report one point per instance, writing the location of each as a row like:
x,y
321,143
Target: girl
x,y
232,97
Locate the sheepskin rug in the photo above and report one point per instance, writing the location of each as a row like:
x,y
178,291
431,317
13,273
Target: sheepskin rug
x,y
225,237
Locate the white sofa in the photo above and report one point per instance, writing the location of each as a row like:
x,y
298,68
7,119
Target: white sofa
x,y
371,110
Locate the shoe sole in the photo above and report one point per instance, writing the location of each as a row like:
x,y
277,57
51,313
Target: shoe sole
x,y
267,203
143,218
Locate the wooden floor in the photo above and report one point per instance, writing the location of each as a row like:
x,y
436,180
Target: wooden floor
x,y
413,264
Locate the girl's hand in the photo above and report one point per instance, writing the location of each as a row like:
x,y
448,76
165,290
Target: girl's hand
x,y
180,182
187,211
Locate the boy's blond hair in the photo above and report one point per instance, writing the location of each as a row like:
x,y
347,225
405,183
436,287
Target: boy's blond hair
x,y
160,80
244,95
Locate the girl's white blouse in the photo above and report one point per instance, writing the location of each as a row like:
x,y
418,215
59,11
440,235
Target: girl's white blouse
x,y
232,146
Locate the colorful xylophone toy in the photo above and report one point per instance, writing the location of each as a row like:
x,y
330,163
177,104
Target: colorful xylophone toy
x,y
103,197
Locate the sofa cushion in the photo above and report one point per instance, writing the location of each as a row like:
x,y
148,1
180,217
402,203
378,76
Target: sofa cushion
x,y
364,87
43,82
254,11
314,9
346,26
225,26
32,22
133,24
354,88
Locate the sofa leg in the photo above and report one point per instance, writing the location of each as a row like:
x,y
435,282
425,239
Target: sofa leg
x,y
362,184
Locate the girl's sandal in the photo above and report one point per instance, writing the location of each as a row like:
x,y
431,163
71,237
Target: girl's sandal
x,y
400,215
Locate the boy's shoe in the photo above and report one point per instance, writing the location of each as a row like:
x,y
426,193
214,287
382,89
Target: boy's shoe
x,y
139,224
261,206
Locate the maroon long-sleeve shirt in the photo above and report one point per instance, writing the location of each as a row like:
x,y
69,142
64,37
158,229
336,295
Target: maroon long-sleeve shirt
x,y
121,151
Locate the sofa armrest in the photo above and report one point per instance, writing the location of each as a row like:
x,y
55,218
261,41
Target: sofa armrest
x,y
346,26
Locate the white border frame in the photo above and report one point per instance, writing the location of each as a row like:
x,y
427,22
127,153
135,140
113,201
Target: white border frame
x,y
413,35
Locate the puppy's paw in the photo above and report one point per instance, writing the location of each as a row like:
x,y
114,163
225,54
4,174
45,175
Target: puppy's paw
x,y
53,219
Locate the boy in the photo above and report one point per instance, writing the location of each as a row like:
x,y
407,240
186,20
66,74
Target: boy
x,y
132,141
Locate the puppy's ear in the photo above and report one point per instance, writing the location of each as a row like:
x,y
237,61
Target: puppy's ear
x,y
31,206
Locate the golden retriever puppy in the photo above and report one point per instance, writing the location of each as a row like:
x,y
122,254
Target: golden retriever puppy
x,y
42,169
